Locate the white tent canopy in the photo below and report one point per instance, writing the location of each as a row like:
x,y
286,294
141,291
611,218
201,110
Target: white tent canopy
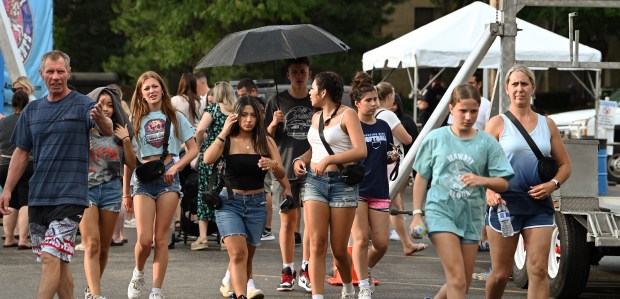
x,y
446,42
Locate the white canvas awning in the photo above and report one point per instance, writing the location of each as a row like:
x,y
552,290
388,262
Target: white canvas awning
x,y
446,42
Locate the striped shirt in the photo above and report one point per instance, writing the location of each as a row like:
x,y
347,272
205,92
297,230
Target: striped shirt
x,y
57,136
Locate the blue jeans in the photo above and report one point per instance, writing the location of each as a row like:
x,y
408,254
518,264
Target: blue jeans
x,y
156,187
106,196
244,214
331,189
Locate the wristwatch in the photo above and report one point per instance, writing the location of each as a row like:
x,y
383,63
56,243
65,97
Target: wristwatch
x,y
417,211
557,184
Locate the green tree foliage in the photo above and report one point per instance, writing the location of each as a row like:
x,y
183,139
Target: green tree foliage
x,y
91,44
171,36
596,25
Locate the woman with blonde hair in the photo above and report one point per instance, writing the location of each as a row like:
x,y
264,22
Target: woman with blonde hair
x,y
154,201
211,124
528,196
22,83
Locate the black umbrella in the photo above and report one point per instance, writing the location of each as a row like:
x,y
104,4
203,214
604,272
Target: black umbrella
x,y
271,43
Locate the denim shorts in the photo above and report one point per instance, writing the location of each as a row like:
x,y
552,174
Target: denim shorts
x,y
331,189
244,214
107,196
156,187
520,222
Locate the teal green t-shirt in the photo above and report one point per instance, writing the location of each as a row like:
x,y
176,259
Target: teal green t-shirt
x,y
450,205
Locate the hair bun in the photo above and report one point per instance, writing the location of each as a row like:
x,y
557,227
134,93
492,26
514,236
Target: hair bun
x,y
361,79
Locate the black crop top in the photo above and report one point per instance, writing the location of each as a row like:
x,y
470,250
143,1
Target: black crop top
x,y
242,172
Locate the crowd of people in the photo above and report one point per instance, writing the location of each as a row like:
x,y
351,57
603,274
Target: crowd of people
x,y
70,161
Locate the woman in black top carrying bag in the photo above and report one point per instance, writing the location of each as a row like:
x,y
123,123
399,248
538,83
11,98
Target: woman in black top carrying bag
x,y
249,154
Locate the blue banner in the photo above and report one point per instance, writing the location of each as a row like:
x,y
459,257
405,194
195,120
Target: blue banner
x,y
32,24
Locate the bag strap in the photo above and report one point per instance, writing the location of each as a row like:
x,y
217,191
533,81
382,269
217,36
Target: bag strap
x,y
163,156
377,114
525,134
394,173
325,144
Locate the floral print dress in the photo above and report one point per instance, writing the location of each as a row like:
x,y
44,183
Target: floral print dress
x,y
205,171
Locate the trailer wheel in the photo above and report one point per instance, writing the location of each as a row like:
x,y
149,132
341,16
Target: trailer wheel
x,y
613,167
519,271
569,258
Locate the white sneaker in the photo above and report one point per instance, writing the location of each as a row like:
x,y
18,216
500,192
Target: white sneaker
x,y
345,295
130,223
364,294
134,290
371,282
394,236
98,297
254,293
159,295
226,290
87,293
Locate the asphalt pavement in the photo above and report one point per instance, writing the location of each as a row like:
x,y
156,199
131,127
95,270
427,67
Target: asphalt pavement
x,y
197,274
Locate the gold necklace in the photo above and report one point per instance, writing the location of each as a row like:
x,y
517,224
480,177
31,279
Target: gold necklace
x,y
247,147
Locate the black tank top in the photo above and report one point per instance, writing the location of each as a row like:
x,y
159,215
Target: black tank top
x,y
243,173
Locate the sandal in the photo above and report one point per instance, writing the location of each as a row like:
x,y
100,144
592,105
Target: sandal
x,y
418,247
483,246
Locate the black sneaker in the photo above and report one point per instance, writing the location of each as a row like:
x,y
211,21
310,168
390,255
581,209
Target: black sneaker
x,y
298,240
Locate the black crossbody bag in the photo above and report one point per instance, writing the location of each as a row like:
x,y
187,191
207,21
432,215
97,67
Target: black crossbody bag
x,y
217,182
351,174
154,169
547,166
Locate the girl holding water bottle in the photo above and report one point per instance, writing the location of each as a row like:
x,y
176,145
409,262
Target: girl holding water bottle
x,y
528,198
462,163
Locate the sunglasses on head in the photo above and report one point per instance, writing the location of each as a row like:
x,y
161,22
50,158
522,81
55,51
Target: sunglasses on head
x,y
16,89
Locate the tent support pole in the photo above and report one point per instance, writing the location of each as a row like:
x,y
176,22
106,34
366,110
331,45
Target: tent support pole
x,y
584,85
441,111
412,94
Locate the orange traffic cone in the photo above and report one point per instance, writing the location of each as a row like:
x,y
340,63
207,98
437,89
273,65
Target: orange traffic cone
x,y
336,279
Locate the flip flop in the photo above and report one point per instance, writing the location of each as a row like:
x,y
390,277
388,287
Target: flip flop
x,y
483,246
23,247
116,243
9,245
419,247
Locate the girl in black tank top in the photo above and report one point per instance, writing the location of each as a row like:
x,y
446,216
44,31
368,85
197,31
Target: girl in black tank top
x,y
249,154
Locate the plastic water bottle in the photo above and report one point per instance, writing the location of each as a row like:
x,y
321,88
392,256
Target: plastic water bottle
x,y
504,220
419,231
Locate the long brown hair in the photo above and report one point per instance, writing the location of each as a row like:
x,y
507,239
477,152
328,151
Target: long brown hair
x,y
259,133
140,109
187,88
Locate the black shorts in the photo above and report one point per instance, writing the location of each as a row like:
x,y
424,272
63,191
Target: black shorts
x,y
44,215
19,196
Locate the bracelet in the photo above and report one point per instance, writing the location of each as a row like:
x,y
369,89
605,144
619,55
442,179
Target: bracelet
x,y
417,211
296,159
126,196
221,139
274,167
124,138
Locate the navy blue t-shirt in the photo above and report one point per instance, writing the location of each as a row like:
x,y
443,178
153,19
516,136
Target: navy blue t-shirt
x,y
57,136
378,138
